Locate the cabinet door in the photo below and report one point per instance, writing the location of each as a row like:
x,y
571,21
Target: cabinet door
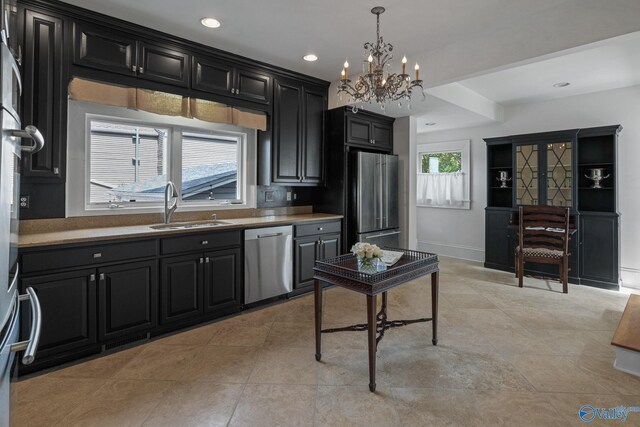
x,y
127,299
287,132
222,280
68,303
599,248
44,93
104,49
498,240
306,252
253,86
212,76
331,246
315,104
382,135
181,288
163,65
527,179
359,131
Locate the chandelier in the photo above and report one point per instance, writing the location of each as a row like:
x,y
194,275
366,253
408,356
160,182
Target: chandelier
x,y
377,83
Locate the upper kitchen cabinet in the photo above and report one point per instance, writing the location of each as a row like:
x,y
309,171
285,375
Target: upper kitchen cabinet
x,y
298,133
109,50
224,78
367,131
44,96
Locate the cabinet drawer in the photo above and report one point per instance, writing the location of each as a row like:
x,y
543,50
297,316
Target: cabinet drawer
x,y
205,241
87,255
317,228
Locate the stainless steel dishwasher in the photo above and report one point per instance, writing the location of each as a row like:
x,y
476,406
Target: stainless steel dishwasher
x,y
268,262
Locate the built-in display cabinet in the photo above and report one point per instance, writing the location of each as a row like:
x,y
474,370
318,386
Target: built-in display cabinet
x,y
61,41
557,169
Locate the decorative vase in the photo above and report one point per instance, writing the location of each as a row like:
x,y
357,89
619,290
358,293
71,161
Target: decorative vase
x,y
368,265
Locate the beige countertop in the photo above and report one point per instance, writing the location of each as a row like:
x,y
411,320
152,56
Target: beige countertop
x,y
62,237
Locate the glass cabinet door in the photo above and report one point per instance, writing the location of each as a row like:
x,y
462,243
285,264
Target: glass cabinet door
x,y
527,191
559,174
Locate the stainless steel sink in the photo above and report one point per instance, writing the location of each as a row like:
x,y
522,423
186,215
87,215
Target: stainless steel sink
x,y
189,225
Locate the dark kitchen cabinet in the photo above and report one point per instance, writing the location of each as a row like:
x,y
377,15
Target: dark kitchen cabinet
x,y
114,51
499,250
220,77
44,100
68,304
104,49
325,242
298,133
362,130
181,287
223,287
599,252
127,296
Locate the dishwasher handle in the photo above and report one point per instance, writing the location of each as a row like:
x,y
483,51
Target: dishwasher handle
x,y
264,236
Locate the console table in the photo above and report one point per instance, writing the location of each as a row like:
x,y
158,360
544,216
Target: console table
x,y
343,271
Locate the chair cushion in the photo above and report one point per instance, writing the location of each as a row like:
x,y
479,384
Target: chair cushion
x,y
540,252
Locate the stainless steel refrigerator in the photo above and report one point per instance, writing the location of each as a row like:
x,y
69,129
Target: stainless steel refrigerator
x,y
11,150
375,204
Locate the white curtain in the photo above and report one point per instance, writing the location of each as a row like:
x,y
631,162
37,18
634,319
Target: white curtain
x,y
440,189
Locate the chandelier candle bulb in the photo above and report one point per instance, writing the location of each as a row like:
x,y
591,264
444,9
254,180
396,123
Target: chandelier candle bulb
x,y
343,75
404,64
346,70
417,71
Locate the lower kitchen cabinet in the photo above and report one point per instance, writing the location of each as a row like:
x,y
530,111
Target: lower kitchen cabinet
x,y
199,284
309,249
68,304
223,288
181,287
128,296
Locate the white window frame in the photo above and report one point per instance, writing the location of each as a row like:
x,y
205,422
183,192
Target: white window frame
x,y
463,146
78,159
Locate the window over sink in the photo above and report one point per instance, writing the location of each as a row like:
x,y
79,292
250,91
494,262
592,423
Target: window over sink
x,y
120,160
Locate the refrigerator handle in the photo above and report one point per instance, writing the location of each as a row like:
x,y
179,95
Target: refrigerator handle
x,y
30,346
383,190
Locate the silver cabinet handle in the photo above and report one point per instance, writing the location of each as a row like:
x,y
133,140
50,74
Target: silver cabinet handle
x,y
141,70
320,228
101,276
97,255
134,68
30,346
32,133
206,260
204,242
233,90
92,278
201,260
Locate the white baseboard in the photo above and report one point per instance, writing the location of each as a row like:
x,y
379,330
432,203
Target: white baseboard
x,y
453,251
630,277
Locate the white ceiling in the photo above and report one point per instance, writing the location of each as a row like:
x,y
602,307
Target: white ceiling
x,y
605,65
280,32
612,65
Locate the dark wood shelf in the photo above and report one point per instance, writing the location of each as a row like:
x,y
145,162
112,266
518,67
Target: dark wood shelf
x,y
601,188
595,164
500,167
501,188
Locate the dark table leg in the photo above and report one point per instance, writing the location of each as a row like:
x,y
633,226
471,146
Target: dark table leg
x,y
317,287
434,306
371,332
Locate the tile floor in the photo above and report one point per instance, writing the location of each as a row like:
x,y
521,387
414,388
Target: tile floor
x,y
506,356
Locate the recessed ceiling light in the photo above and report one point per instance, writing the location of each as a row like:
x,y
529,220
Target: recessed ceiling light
x,y
310,57
562,84
210,22
430,124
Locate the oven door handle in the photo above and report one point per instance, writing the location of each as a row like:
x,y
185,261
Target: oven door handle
x,y
30,346
32,133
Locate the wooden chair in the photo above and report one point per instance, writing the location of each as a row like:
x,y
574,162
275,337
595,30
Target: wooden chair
x,y
544,238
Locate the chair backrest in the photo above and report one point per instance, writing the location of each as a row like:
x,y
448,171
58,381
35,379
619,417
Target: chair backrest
x,y
544,227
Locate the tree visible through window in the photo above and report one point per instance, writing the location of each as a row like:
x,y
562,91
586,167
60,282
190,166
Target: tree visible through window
x,y
442,162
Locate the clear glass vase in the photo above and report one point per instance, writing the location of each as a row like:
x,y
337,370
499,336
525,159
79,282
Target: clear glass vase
x,y
368,265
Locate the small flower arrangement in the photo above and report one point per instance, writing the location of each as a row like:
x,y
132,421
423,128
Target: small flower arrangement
x,y
366,250
368,256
